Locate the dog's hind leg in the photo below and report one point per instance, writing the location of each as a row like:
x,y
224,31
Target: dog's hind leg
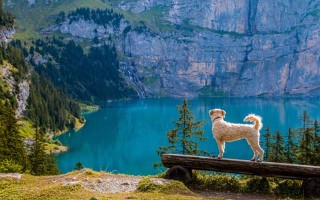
x,y
261,152
221,145
254,149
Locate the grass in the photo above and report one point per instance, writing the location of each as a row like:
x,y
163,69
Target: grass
x,y
172,187
53,187
26,128
247,184
31,19
87,108
32,187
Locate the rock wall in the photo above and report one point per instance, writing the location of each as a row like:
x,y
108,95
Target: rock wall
x,y
6,35
219,47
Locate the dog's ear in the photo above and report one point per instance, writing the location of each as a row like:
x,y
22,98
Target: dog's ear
x,y
211,112
223,113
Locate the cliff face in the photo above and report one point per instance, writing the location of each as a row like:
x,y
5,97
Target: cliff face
x,y
241,48
20,90
6,35
217,47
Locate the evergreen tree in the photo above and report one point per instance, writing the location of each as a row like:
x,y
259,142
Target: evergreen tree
x,y
79,166
278,150
305,148
11,143
183,139
38,155
268,143
51,168
316,143
290,147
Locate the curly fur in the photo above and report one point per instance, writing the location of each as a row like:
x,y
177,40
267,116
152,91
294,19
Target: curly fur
x,y
227,132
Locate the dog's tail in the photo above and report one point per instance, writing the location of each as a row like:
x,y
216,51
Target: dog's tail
x,y
257,120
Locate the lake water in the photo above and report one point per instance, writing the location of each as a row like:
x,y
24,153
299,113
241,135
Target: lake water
x,y
123,137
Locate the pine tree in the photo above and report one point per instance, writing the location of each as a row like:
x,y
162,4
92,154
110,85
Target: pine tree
x,y
51,167
268,143
305,147
183,139
316,143
11,143
78,166
290,147
38,155
278,150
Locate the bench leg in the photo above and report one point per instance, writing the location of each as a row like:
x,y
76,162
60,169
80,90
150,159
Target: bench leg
x,y
311,188
180,174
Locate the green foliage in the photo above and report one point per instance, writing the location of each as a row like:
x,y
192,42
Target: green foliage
x,y
41,163
278,151
6,19
49,107
290,146
10,166
204,181
78,166
302,145
15,57
171,187
258,184
267,143
89,77
268,186
102,17
290,188
183,139
12,146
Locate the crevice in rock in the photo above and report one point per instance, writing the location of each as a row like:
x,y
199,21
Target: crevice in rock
x,y
252,12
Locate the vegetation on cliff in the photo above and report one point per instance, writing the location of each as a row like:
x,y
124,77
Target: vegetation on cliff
x,y
92,76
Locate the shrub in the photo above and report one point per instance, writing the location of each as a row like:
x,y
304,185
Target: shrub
x,y
9,166
171,187
290,188
258,184
201,180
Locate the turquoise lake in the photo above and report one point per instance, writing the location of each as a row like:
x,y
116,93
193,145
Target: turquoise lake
x,y
123,137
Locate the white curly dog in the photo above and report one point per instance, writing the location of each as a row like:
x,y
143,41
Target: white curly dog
x,y
227,132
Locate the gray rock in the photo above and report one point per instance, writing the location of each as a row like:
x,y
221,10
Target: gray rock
x,y
231,48
11,175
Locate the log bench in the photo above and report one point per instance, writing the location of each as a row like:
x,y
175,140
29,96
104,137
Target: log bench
x,y
181,166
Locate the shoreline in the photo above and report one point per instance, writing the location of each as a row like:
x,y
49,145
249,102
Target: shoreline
x,y
57,149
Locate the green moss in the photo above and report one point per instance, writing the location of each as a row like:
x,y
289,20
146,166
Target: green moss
x,y
171,187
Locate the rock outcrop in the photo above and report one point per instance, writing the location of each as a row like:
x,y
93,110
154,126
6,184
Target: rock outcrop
x,y
6,35
217,47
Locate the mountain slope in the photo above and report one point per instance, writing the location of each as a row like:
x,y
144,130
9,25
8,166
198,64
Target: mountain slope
x,y
189,48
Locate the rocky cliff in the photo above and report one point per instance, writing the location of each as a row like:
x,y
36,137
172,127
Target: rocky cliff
x,y
241,48
20,90
216,47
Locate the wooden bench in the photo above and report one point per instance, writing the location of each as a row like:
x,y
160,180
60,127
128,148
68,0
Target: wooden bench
x,y
181,166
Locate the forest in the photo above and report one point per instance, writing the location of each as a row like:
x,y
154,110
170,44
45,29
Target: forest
x,y
102,17
92,76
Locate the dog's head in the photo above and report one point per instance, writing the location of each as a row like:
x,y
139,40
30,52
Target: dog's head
x,y
217,113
